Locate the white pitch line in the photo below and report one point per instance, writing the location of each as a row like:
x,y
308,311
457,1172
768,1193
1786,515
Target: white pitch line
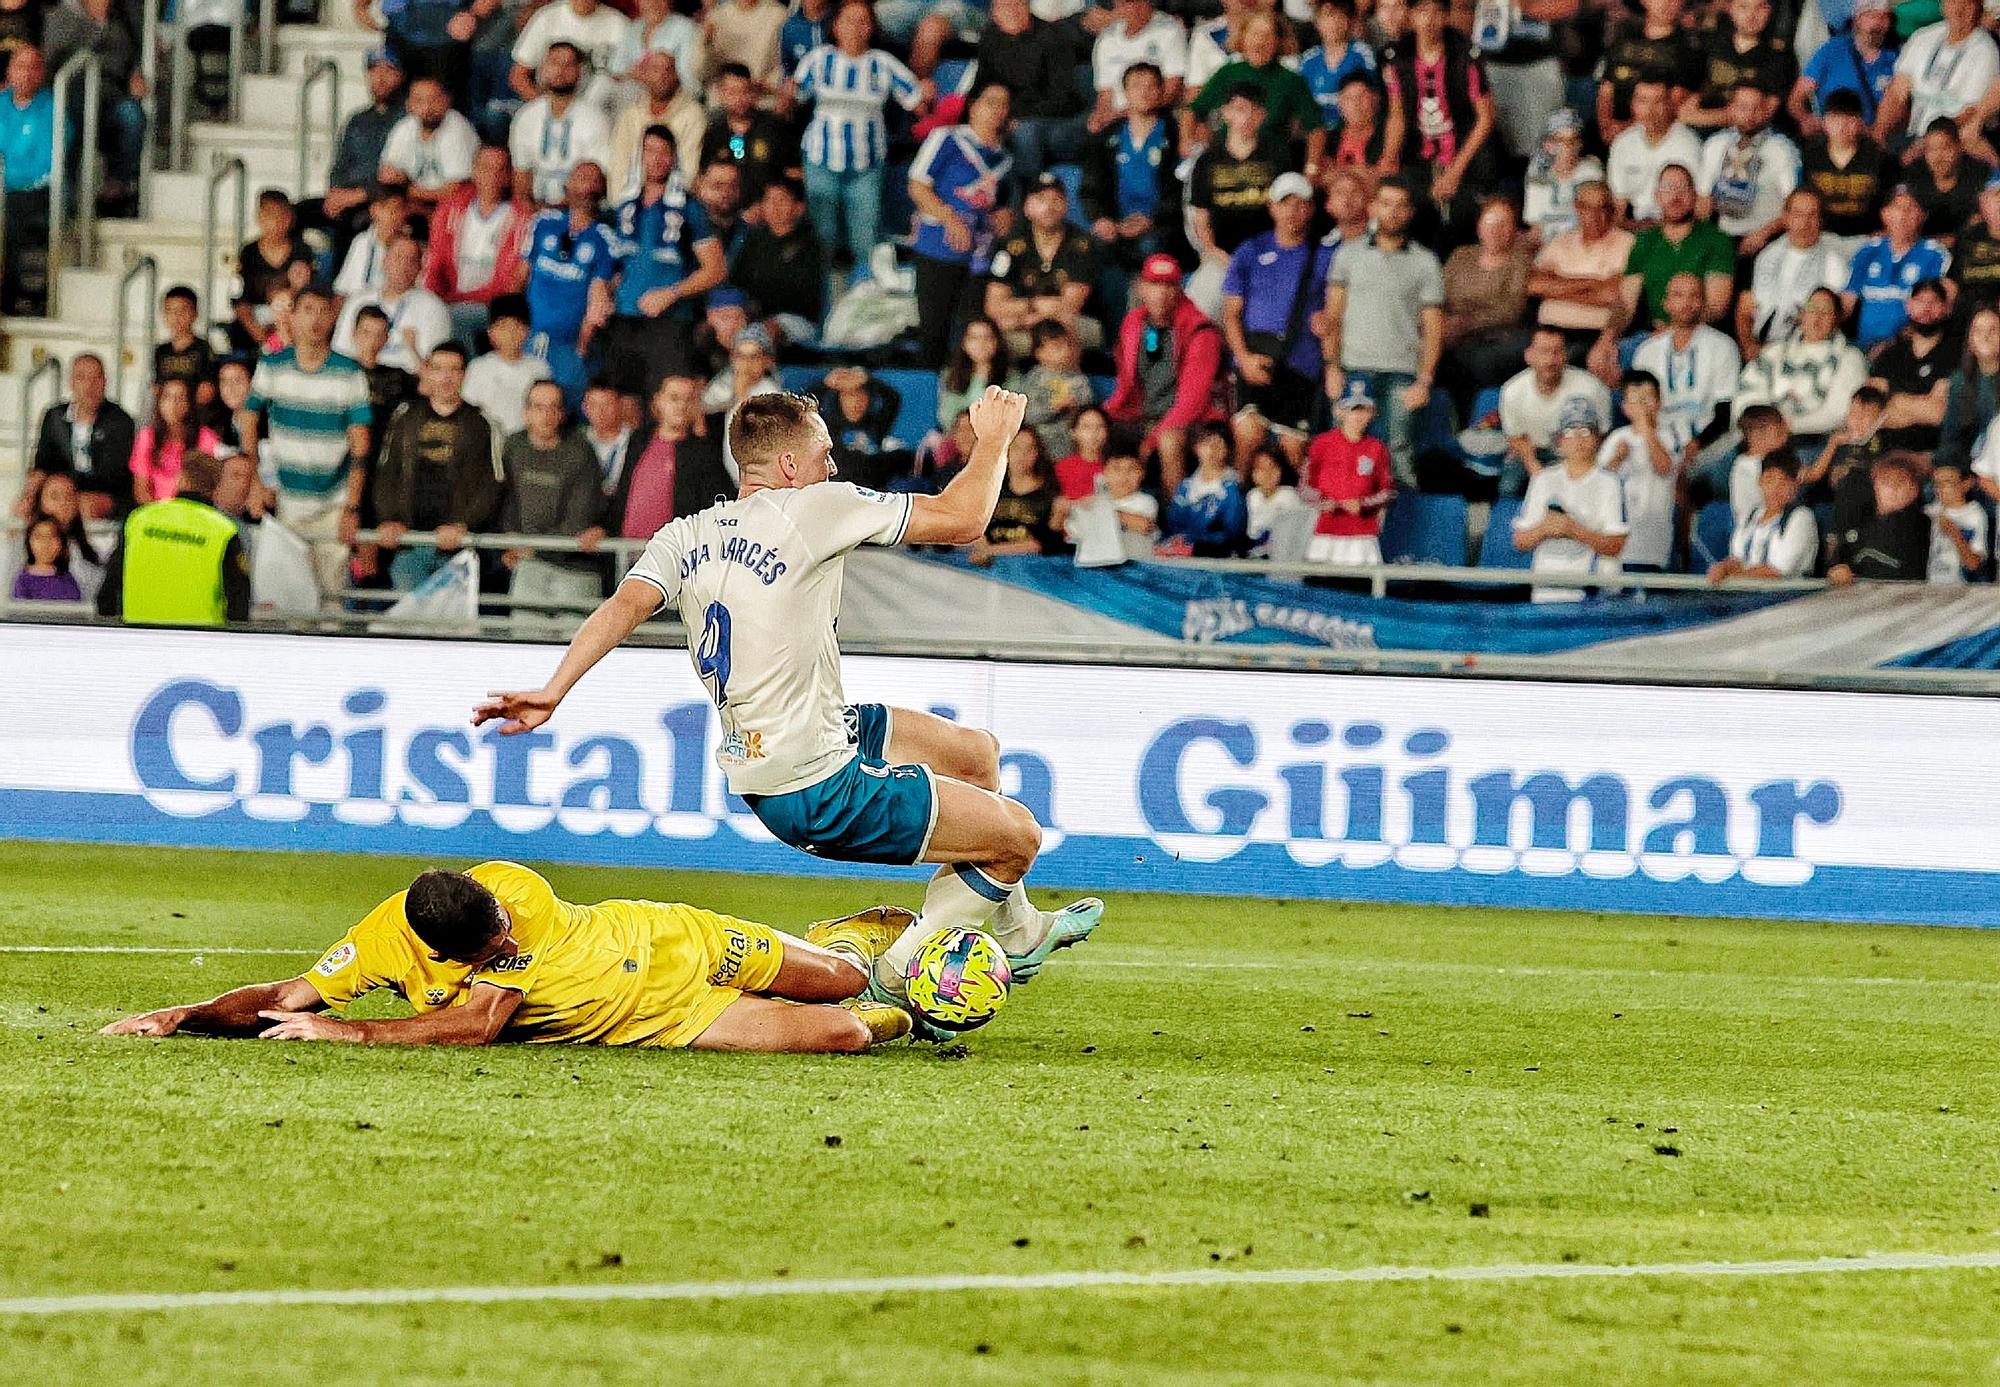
x,y
932,1285
139,949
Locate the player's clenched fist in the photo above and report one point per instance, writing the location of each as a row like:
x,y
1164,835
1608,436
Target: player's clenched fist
x,y
998,413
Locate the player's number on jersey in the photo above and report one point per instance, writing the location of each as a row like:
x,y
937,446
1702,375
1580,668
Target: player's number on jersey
x,y
711,652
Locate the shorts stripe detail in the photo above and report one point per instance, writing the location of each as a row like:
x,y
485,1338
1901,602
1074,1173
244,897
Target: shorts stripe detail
x,y
981,883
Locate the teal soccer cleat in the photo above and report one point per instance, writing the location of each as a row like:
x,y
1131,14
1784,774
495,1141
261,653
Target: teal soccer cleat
x,y
1073,924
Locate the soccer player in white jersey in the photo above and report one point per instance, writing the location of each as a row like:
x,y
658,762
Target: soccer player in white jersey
x,y
758,583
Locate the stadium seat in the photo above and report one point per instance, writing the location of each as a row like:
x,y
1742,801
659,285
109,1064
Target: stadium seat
x,y
1497,549
1425,529
1712,528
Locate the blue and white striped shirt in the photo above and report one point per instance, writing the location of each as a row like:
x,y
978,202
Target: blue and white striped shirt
x,y
305,451
847,133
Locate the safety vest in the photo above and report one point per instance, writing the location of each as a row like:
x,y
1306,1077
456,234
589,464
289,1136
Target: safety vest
x,y
173,563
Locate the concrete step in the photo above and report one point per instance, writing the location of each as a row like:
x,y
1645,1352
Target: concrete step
x,y
272,103
302,50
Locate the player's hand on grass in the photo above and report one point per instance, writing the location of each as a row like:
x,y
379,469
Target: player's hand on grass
x,y
163,1022
305,1025
523,712
998,413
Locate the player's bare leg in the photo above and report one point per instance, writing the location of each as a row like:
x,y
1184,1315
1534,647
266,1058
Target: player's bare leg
x,y
970,754
771,1026
810,973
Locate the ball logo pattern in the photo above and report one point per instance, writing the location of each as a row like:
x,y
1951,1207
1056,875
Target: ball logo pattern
x,y
959,979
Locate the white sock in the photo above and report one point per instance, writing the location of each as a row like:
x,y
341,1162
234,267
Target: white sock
x,y
960,897
1017,925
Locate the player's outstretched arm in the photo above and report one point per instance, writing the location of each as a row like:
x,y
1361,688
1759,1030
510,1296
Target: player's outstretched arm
x,y
959,514
478,1022
617,617
233,1013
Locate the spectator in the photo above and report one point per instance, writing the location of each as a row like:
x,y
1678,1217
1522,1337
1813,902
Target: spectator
x,y
1697,368
1290,113
667,259
553,488
1960,547
366,267
752,370
1486,301
1915,368
184,355
1348,193
1559,170
1974,397
498,381
959,183
1678,246
1788,272
1214,42
1441,103
279,255
1946,182
1274,282
663,102
317,402
745,32
1526,74
719,189
1168,357
475,244
860,414
1837,481
1975,259
1847,169
1894,544
557,131
607,432
1885,267
1351,483
95,26
1648,466
166,439
1860,62
595,34
45,577
1031,58
1579,276
981,360
20,27
1573,517
436,473
676,468
357,158
431,150
1137,33
1130,194
1659,47
656,28
1943,72
572,258
1025,519
1136,512
1229,188
1639,157
1810,375
806,28
89,438
418,319
389,389
1055,386
1747,172
1534,402
180,562
1776,536
27,144
429,37
726,314
1271,496
782,266
1385,322
232,394
1090,443
1327,65
1208,514
1740,47
741,134
1364,136
1044,272
1764,436
56,498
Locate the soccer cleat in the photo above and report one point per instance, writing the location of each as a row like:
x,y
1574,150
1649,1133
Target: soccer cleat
x,y
885,1023
864,937
1070,925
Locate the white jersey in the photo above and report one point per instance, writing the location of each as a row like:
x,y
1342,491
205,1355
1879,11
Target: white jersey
x,y
1596,501
1649,496
1945,78
1694,381
758,582
1946,568
1633,166
1749,180
1787,541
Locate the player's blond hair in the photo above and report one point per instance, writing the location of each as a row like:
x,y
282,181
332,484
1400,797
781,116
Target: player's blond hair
x,y
764,426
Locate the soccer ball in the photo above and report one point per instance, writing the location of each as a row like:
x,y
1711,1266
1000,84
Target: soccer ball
x,y
958,980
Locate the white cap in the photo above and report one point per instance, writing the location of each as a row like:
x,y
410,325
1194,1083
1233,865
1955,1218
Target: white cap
x,y
1289,185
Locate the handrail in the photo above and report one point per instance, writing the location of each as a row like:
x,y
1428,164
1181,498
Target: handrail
x,y
267,34
1380,575
330,70
183,93
148,268
60,192
238,35
149,73
30,419
224,170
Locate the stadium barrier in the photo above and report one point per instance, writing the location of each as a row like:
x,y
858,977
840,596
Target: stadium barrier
x,y
1687,800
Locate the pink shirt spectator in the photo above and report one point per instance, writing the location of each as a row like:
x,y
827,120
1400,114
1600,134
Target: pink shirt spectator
x,y
651,502
160,466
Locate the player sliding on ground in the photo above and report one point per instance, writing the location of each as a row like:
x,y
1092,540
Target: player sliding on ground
x,y
494,955
758,583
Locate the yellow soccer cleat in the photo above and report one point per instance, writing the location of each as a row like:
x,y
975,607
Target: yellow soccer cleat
x,y
864,937
885,1023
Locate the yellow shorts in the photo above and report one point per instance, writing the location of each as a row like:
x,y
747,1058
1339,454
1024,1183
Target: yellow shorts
x,y
702,962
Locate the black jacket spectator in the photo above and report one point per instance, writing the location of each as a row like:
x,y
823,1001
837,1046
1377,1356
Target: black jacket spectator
x,y
1895,547
1037,69
1099,189
761,152
863,446
699,476
782,274
107,465
437,469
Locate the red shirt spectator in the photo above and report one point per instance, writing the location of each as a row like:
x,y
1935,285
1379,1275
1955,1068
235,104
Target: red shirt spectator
x,y
1350,471
1168,355
479,227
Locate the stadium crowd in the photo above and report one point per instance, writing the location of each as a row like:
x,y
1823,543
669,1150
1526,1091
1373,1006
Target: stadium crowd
x,y
1260,268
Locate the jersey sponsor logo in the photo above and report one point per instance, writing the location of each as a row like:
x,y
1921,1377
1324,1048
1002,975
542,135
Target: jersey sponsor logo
x,y
518,963
336,959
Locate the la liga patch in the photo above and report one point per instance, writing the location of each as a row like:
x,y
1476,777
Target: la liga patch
x,y
336,959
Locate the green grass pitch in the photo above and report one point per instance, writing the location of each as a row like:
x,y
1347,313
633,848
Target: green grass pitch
x,y
1208,1084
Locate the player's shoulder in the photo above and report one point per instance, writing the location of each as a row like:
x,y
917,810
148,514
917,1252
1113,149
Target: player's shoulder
x,y
499,875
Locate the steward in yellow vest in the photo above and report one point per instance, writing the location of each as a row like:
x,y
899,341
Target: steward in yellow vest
x,y
181,562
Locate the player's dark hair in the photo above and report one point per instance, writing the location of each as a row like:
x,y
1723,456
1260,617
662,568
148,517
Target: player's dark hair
x,y
1943,125
1051,330
574,51
454,915
660,132
1346,7
274,197
762,425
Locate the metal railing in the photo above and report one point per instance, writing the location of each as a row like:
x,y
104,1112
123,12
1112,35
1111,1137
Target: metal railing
x,y
1380,576
225,170
86,67
327,70
148,269
52,367
149,73
267,34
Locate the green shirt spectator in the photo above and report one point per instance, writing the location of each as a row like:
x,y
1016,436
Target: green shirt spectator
x,y
1656,258
1289,109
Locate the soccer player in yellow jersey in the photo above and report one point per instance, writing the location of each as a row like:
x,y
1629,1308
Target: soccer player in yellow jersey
x,y
493,954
